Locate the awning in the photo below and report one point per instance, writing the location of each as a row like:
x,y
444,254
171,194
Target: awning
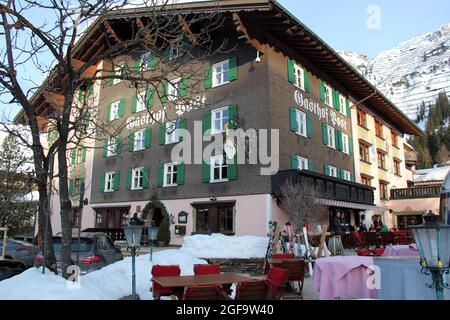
x,y
350,205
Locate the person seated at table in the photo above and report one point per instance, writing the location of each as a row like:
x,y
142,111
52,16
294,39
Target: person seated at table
x,y
372,228
384,228
362,227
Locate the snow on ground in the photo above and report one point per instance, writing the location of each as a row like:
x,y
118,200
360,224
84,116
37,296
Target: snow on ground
x,y
221,246
114,281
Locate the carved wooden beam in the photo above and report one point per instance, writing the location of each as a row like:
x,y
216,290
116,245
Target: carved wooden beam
x,y
54,99
187,29
111,32
242,29
149,36
42,123
89,73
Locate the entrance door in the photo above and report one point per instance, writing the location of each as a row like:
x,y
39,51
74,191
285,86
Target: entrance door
x,y
111,218
215,218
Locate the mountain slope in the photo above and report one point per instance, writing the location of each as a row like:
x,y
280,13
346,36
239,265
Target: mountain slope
x,y
414,71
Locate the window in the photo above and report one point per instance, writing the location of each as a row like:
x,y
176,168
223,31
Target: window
x,y
176,49
76,186
381,160
331,137
345,144
302,163
332,171
328,95
301,122
141,105
112,147
299,74
342,104
366,180
219,169
219,118
173,89
397,167
220,73
394,139
117,73
378,129
99,219
137,178
225,219
139,140
146,61
115,111
172,132
109,181
170,174
383,190
364,154
361,118
346,175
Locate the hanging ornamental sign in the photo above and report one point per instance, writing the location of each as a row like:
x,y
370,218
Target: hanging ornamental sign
x,y
327,114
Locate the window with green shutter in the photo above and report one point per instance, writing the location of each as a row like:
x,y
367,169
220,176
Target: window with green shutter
x,y
160,175
232,168
307,76
182,126
138,64
131,141
71,183
184,85
83,155
232,116
208,77
105,148
206,124
180,173
108,113
146,178
350,146
308,126
116,180
310,165
87,120
133,104
338,140
119,139
102,182
148,137
322,91
121,108
347,106
326,170
163,92
293,119
150,98
291,71
294,162
129,178
72,156
233,69
206,172
324,133
162,133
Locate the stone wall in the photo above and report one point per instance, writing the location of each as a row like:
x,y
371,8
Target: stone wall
x,y
251,266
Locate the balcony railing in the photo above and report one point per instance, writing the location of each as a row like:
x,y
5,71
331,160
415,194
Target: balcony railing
x,y
416,192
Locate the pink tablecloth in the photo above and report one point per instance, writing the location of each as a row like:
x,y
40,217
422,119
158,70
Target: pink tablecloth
x,y
401,250
338,276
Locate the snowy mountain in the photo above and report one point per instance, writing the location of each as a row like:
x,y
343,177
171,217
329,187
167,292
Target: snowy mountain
x,y
414,71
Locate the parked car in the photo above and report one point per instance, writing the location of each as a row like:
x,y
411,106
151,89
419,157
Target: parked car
x,y
96,251
22,251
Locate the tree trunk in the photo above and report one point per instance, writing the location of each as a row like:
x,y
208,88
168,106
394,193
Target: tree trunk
x,y
49,254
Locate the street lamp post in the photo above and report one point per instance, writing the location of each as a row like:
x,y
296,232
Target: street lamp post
x,y
152,234
133,235
433,242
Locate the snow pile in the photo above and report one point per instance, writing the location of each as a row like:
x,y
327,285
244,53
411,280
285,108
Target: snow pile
x,y
110,283
221,246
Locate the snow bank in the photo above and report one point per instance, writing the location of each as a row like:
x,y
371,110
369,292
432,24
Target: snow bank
x,y
110,283
220,246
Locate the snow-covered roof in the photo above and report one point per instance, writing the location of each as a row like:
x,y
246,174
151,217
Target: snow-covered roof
x,y
431,174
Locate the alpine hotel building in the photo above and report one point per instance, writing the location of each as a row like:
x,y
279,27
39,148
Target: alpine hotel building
x,y
298,85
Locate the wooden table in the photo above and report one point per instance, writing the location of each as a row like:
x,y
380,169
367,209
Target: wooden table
x,y
178,283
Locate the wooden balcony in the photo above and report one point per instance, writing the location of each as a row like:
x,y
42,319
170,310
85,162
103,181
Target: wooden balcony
x,y
416,192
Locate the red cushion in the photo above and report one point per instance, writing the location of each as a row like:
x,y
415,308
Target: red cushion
x,y
283,256
378,251
203,269
277,276
164,271
363,252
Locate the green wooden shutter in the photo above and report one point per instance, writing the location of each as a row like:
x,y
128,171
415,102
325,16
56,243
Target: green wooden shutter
x,y
347,106
325,133
81,93
150,98
162,133
105,148
232,116
352,176
116,183
121,108
146,178
111,79
90,89
341,174
180,173
184,87
183,126
133,104
160,175
306,76
82,185
148,138
336,100
350,145
72,156
206,124
108,113
206,172
338,135
294,162
291,71
131,142
163,93
310,165
87,119
232,169
308,126
129,178
119,144
138,64
83,155
208,77
153,61
102,182
322,91
233,69
49,134
293,119
326,170
70,187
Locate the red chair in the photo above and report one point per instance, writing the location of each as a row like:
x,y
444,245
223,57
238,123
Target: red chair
x,y
255,290
203,293
204,269
283,256
163,271
363,252
378,251
276,280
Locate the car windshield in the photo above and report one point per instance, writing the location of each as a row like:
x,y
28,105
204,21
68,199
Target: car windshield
x,y
85,244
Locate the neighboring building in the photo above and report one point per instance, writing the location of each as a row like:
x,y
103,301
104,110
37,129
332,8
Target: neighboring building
x,y
299,86
409,204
